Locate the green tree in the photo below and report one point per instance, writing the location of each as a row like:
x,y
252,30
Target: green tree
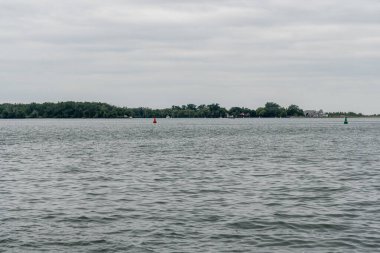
x,y
261,112
294,110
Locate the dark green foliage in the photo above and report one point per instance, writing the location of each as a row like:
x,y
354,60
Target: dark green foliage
x,y
102,110
295,111
271,110
274,110
241,112
61,110
345,114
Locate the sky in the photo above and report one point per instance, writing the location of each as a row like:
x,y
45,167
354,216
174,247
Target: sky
x,y
321,54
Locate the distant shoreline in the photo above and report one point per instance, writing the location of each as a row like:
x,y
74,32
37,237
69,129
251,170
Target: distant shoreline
x,y
251,118
90,110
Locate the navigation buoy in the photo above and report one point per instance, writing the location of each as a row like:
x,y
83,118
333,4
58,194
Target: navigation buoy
x,y
345,121
154,120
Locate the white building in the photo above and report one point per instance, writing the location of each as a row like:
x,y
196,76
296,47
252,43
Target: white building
x,y
315,114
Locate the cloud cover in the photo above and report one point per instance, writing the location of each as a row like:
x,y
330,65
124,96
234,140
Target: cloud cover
x,y
322,54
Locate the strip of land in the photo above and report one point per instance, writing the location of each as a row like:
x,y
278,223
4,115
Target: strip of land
x,y
72,109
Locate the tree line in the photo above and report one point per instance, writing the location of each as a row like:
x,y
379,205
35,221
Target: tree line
x,y
102,110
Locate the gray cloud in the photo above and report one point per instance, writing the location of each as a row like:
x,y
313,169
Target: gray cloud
x,y
158,53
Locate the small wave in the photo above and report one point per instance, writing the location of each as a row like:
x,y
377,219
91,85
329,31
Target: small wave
x,y
265,225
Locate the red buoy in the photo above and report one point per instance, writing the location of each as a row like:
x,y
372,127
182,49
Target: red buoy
x,y
154,120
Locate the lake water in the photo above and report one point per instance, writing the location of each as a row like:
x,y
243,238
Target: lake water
x,y
190,185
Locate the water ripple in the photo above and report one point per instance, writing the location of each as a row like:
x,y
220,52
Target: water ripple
x,y
196,185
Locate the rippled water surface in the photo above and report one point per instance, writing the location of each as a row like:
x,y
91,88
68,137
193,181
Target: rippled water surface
x,y
194,185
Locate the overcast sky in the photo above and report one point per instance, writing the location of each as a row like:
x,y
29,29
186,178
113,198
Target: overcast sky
x,y
321,54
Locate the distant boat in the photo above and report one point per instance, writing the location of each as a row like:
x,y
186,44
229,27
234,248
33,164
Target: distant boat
x,y
167,116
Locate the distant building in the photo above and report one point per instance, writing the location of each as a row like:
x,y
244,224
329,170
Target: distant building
x,y
241,115
244,115
315,114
